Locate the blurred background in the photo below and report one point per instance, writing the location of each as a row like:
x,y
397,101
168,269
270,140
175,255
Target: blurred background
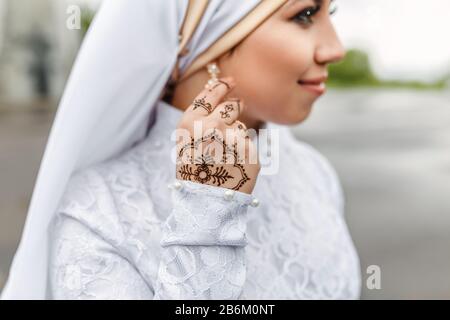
x,y
384,125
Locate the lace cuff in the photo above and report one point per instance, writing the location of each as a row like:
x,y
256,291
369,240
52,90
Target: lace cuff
x,y
206,215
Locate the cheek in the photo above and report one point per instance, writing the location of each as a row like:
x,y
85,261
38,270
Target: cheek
x,y
267,66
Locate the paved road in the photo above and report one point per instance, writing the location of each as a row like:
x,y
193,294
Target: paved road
x,y
390,148
22,140
392,152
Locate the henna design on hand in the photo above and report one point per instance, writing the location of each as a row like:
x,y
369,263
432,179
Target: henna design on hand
x,y
204,170
203,173
219,82
226,114
201,103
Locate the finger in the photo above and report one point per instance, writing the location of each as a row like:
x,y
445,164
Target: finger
x,y
205,103
241,128
241,141
228,111
236,132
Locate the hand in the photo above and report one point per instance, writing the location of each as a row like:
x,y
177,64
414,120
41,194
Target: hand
x,y
219,152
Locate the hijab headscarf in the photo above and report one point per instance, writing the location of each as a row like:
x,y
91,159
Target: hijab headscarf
x,y
131,50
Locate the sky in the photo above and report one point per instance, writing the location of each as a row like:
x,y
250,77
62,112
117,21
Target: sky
x,y
406,39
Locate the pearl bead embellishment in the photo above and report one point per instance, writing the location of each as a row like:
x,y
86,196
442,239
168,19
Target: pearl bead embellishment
x,y
177,185
255,202
229,194
212,82
213,68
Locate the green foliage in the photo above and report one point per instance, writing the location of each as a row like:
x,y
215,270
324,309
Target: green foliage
x,y
87,15
356,71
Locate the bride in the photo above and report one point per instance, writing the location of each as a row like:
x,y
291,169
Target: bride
x,y
103,224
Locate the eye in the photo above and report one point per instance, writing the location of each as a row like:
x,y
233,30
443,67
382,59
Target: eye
x,y
305,16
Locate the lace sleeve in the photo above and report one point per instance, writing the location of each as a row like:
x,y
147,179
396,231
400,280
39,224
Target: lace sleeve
x,y
202,249
203,244
84,266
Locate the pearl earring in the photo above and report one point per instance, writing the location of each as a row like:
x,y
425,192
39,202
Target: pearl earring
x,y
213,71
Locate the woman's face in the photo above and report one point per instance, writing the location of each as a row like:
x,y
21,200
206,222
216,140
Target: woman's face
x,y
280,68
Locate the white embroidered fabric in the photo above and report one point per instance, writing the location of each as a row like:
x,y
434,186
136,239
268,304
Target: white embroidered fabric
x,y
120,233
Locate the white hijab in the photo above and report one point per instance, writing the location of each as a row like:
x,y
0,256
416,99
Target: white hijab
x,y
122,68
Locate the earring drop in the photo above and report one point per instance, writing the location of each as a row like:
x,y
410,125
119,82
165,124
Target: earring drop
x,y
213,71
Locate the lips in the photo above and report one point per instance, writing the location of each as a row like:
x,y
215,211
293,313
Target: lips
x,y
316,85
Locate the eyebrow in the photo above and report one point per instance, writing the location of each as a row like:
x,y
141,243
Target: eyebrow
x,y
317,2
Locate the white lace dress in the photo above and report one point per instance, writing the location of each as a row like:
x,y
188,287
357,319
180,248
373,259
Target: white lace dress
x,y
121,233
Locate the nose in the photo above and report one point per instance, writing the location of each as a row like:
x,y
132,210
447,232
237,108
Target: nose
x,y
330,48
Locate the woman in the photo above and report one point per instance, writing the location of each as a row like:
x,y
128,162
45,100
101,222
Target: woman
x,y
115,231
